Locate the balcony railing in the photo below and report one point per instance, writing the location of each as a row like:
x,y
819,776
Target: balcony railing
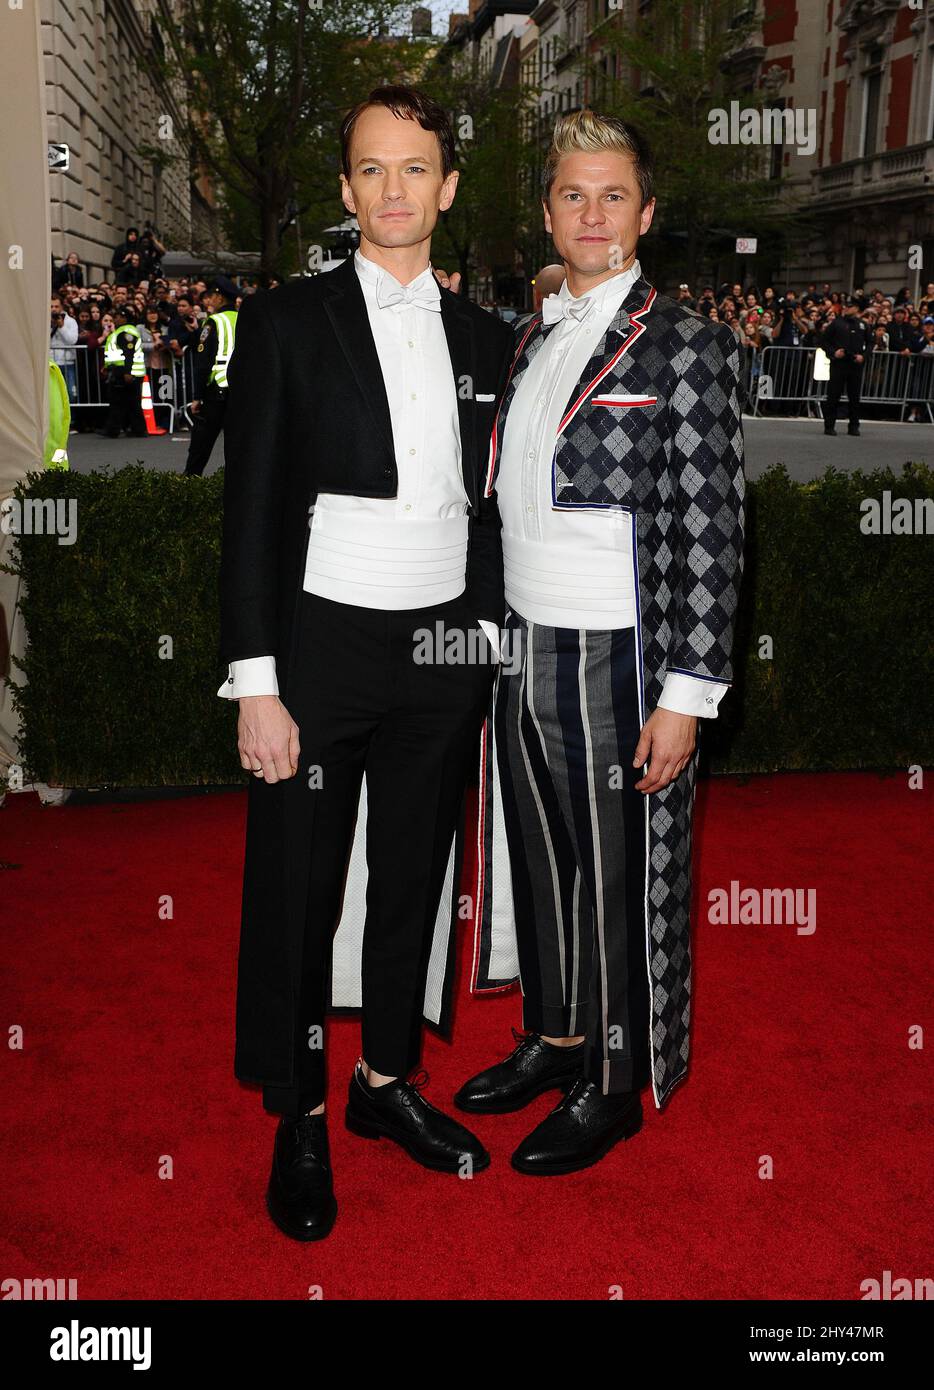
x,y
909,168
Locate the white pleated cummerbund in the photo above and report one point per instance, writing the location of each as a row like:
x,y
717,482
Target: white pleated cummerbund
x,y
571,585
391,563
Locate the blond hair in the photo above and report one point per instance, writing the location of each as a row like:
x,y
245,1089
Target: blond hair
x,y
585,131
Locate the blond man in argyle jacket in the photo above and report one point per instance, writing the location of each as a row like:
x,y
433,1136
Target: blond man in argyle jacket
x,y
617,461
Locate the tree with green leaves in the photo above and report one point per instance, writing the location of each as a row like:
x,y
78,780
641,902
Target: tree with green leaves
x,y
680,62
266,85
481,226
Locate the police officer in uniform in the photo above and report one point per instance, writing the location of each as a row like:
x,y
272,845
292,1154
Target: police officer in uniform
x,y
124,367
847,341
215,345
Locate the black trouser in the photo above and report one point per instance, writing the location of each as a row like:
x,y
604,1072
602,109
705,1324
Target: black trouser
x,y
126,411
844,374
206,426
364,705
567,725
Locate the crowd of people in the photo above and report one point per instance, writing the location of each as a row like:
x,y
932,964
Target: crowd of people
x,y
894,323
170,314
762,318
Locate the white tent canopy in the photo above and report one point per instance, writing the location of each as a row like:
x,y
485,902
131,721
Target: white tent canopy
x,y
25,257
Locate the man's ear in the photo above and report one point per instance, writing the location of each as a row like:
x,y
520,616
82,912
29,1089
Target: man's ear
x,y
448,189
648,212
347,195
547,215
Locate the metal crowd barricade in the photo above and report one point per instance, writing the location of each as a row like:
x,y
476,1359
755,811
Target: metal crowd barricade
x,y
920,389
748,372
786,374
886,378
170,384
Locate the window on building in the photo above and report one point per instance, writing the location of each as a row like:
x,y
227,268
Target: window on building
x,y
158,43
872,100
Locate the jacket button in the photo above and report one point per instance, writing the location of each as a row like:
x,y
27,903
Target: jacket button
x,y
387,472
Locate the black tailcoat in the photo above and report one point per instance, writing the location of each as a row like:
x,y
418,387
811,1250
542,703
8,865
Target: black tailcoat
x,y
308,413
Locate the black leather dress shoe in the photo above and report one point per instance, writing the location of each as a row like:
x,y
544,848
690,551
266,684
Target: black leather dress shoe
x,y
853,431
530,1069
400,1112
829,431
579,1131
300,1196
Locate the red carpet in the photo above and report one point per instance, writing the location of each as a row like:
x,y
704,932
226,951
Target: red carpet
x,y
800,1053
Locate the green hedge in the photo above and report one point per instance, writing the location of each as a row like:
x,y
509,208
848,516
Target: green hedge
x,y
851,680
849,684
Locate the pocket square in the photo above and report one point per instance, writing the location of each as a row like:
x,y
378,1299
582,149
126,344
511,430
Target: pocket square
x,y
490,397
620,400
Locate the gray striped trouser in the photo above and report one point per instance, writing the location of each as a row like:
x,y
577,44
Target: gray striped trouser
x,y
567,724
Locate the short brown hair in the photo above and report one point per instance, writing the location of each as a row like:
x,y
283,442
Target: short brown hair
x,y
585,130
408,104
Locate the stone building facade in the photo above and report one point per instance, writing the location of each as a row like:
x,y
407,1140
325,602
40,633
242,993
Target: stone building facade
x,y
862,69
106,100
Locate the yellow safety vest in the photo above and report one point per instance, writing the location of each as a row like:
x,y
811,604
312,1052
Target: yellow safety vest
x,y
226,323
56,441
113,354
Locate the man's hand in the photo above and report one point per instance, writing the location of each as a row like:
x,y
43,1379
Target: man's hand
x,y
666,744
840,352
194,407
446,281
267,738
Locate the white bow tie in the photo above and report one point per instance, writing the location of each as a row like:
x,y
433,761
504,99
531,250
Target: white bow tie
x,y
556,307
423,293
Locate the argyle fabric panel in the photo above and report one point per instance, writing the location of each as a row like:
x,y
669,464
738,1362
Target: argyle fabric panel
x,y
669,450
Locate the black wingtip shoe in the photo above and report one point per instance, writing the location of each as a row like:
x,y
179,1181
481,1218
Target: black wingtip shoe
x,y
532,1068
300,1197
581,1130
399,1111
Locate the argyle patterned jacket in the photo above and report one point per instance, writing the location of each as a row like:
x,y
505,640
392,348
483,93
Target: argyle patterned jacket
x,y
654,429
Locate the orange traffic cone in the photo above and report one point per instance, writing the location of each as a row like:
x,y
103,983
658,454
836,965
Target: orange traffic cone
x,y
148,413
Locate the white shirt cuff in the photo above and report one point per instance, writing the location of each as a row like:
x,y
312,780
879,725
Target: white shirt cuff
x,y
492,636
254,675
691,695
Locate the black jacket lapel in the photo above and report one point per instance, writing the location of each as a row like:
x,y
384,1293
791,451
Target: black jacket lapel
x,y
346,309
462,347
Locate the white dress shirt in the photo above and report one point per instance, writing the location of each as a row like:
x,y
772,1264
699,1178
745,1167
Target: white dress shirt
x,y
571,568
407,551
